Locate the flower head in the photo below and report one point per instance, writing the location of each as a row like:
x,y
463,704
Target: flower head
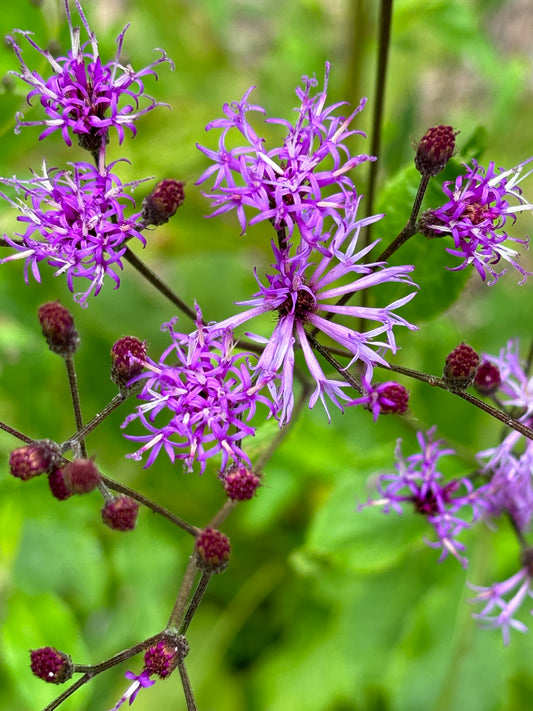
x,y
84,96
479,204
74,220
417,481
384,398
300,291
301,183
199,398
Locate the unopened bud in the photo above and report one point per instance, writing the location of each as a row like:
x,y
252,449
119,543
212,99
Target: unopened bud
x,y
51,665
81,476
461,366
393,399
162,658
435,150
163,201
212,551
120,513
33,459
127,357
488,378
240,483
58,488
58,328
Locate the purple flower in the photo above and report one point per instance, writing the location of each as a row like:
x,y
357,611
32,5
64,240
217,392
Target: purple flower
x,y
504,599
199,399
140,681
510,489
476,215
83,95
302,183
300,293
418,482
75,221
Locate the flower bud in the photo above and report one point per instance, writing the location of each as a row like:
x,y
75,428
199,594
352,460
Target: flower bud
x,y
488,378
461,366
81,476
163,201
435,150
51,665
58,328
162,658
240,483
33,459
393,399
212,551
120,513
127,356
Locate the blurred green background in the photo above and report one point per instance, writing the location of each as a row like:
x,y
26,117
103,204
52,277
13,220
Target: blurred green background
x,y
322,608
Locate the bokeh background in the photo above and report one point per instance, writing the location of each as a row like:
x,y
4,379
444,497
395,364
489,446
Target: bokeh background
x,y
322,608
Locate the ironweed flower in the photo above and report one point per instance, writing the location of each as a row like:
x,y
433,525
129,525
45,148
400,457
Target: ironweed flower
x,y
475,216
139,681
301,183
199,398
85,96
300,291
417,481
383,398
75,220
503,600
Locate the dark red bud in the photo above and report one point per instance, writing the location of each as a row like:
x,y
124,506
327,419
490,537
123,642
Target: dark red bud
x,y
393,399
162,658
58,488
51,665
58,328
240,483
435,150
127,359
212,551
488,378
120,513
163,201
461,366
81,476
33,459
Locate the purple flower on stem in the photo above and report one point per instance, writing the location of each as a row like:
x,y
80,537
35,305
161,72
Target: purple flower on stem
x,y
300,293
418,482
476,214
75,221
510,489
199,399
504,599
83,95
140,681
383,398
301,183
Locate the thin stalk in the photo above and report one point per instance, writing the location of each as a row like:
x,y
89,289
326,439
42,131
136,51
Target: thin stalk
x,y
195,601
158,283
187,688
183,594
12,431
324,352
96,420
75,396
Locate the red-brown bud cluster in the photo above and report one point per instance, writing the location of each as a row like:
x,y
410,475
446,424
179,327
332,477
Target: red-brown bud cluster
x,y
33,459
461,367
58,488
240,483
393,399
58,328
163,201
120,513
435,150
51,665
212,551
127,356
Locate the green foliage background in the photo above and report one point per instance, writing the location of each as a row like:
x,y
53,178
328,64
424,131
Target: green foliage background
x,y
322,608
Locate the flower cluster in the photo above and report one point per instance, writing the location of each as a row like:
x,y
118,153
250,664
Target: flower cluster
x,y
318,266
199,398
417,481
85,96
476,214
75,221
300,183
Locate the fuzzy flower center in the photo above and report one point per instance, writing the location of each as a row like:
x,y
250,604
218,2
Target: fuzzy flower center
x,y
303,305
